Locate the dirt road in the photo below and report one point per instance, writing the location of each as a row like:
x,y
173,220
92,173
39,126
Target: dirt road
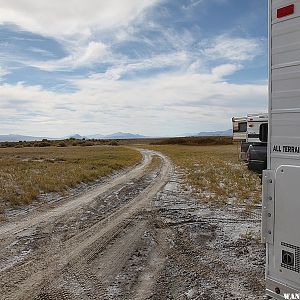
x,y
137,235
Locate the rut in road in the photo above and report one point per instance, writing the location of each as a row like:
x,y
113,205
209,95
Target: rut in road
x,y
76,250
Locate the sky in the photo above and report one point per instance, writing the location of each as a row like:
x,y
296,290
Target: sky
x,y
152,67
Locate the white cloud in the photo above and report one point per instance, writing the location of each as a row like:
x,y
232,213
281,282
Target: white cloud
x,y
81,56
162,105
234,49
3,72
226,69
172,59
194,3
72,18
79,26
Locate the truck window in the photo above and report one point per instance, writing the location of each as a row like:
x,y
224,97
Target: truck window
x,y
240,127
243,127
263,133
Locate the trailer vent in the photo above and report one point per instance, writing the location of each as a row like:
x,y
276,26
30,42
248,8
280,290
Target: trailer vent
x,y
285,11
288,258
291,259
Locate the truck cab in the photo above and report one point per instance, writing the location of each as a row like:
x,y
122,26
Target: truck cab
x,y
246,131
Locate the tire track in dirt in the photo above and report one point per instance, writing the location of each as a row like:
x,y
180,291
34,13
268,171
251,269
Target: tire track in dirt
x,y
77,201
93,272
155,265
81,266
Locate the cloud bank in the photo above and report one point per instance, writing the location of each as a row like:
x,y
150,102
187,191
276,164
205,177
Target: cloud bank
x,y
124,71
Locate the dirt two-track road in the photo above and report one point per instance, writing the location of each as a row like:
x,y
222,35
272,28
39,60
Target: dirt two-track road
x,y
137,235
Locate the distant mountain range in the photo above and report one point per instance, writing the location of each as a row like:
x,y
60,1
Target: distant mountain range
x,y
216,133
18,137
117,135
124,135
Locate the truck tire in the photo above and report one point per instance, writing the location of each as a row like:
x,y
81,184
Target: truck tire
x,y
257,159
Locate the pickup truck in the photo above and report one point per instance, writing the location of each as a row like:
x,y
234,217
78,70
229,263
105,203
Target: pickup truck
x,y
257,152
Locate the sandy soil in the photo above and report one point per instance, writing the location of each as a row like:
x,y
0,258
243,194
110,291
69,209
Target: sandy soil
x,y
137,235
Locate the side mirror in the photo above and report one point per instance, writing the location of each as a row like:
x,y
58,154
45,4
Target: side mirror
x,y
263,133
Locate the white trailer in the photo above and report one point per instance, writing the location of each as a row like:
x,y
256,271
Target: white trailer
x,y
281,181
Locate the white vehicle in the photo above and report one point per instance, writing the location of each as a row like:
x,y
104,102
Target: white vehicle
x,y
281,181
254,122
246,131
239,128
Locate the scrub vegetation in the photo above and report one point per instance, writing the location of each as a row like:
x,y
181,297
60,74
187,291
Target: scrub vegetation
x,y
27,172
195,141
215,173
192,141
60,143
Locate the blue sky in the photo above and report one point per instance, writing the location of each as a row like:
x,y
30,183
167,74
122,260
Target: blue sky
x,y
154,67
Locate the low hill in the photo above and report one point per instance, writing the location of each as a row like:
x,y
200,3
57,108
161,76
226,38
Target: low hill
x,y
216,133
18,137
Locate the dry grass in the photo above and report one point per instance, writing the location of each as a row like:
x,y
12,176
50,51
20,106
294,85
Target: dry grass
x,y
215,173
27,172
195,141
